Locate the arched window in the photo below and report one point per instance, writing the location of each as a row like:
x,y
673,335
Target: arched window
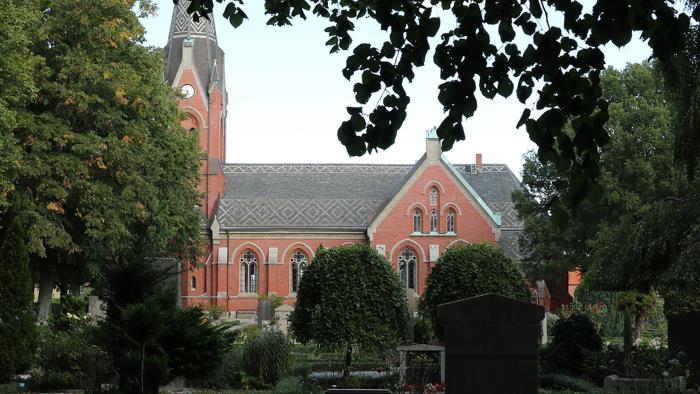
x,y
248,272
299,263
433,221
450,221
433,196
417,221
407,268
193,284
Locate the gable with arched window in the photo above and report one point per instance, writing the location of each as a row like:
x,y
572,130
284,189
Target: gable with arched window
x,y
407,267
298,264
248,272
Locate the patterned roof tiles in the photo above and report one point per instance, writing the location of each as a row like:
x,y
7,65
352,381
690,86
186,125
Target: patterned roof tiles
x,y
337,196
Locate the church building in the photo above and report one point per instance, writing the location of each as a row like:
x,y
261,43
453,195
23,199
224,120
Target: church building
x,y
263,222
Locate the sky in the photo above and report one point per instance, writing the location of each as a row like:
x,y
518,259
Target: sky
x,y
287,96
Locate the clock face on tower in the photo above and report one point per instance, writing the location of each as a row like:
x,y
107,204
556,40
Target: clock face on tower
x,y
187,91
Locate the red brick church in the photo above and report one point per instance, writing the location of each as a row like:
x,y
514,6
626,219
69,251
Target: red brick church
x,y
263,222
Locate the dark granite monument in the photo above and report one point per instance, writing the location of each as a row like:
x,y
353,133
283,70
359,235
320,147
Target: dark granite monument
x,y
491,344
683,331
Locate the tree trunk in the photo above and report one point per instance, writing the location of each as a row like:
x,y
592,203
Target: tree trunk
x,y
45,295
348,360
637,327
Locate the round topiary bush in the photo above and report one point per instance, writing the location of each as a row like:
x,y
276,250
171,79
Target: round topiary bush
x,y
573,338
467,271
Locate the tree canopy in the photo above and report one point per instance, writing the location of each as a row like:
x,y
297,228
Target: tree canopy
x,y
642,234
546,52
466,271
96,152
636,166
350,297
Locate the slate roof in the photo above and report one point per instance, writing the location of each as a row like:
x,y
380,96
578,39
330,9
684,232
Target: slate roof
x,y
342,197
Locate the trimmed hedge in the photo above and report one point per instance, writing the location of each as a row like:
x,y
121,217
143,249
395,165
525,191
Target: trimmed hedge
x,y
555,381
466,271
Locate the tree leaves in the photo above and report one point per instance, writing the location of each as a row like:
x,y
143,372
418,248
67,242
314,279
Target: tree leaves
x,y
564,59
350,296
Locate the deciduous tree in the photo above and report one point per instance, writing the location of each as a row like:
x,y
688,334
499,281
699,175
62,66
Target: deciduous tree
x,y
105,166
466,271
637,165
350,297
546,52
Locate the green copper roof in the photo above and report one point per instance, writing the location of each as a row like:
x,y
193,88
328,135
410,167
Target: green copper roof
x,y
431,134
495,216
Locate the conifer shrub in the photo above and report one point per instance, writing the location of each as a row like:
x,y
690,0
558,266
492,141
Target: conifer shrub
x,y
17,328
573,338
466,271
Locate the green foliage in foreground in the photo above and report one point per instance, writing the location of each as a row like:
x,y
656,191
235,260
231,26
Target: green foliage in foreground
x,y
150,339
548,54
466,271
17,328
267,356
350,297
573,337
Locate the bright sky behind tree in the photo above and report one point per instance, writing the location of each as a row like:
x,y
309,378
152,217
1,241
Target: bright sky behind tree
x,y
287,96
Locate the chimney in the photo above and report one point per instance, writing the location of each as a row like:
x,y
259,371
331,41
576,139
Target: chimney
x,y
432,146
478,161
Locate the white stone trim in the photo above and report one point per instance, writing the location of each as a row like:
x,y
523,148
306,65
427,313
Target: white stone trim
x,y
412,207
456,241
449,205
406,242
432,183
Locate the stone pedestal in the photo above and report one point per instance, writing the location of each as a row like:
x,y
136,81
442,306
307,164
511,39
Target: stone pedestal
x,y
491,344
282,317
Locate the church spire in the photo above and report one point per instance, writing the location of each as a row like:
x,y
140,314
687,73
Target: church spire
x,y
182,25
193,45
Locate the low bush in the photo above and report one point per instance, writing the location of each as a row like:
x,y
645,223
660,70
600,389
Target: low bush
x,y
573,337
384,381
70,360
337,366
644,361
228,374
296,385
267,356
555,381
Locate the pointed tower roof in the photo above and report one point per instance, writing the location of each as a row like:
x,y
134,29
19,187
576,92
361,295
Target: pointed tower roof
x,y
182,25
207,57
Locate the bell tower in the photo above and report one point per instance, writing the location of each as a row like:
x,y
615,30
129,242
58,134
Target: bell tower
x,y
195,67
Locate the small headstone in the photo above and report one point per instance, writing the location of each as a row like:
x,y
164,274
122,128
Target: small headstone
x,y
282,317
96,308
264,311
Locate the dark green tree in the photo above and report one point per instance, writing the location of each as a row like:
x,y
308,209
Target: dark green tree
x,y
150,339
350,298
636,166
17,328
551,48
105,166
466,271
